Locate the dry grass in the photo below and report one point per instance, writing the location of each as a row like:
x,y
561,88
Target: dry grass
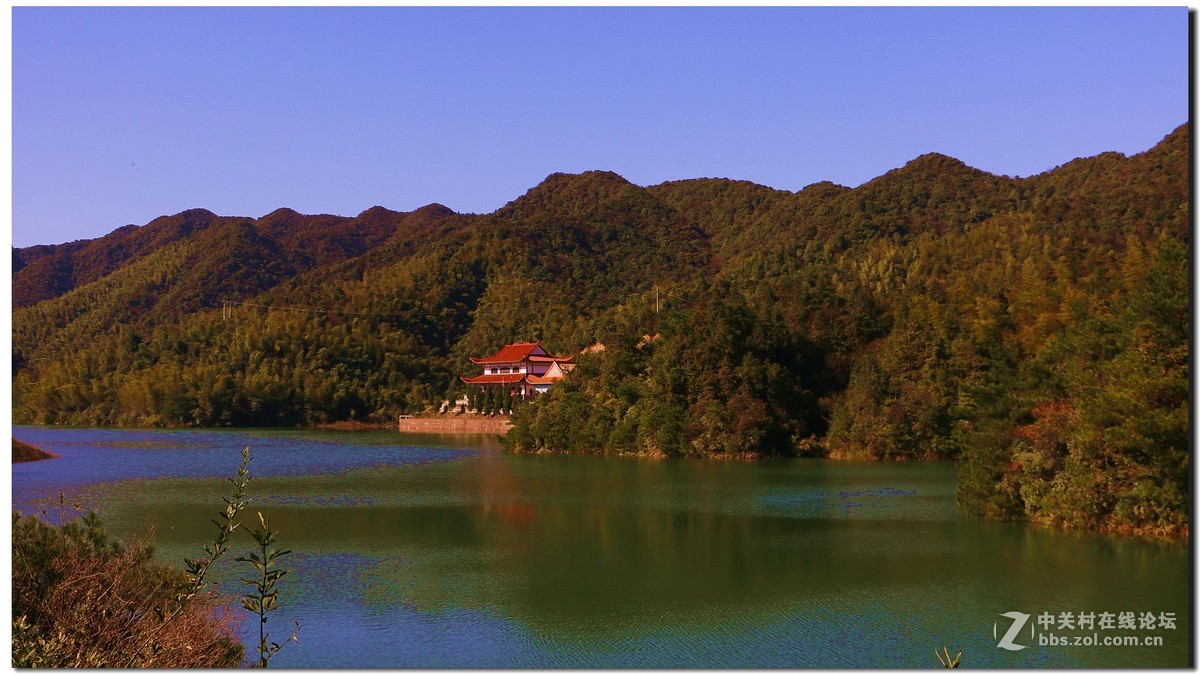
x,y
79,601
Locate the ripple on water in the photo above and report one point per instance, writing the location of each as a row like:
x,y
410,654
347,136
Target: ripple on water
x,y
479,559
96,456
823,504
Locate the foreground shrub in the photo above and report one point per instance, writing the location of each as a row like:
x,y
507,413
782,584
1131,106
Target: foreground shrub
x,y
81,600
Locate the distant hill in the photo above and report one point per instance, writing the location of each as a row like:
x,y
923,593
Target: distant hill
x,y
937,311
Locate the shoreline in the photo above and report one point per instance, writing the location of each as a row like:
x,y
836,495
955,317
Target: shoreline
x,y
23,452
498,426
466,424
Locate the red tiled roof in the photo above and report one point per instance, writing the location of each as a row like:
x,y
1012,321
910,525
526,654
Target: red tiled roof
x,y
511,353
552,359
534,379
514,378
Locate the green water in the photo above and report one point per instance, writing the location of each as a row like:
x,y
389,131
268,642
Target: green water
x,y
444,552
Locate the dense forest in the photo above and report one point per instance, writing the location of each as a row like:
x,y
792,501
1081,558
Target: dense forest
x,y
1036,330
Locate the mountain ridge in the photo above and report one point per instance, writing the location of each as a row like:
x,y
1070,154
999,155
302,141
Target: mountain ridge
x,y
45,271
591,234
1179,135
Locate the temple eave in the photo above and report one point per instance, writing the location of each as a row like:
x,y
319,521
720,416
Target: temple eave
x,y
484,379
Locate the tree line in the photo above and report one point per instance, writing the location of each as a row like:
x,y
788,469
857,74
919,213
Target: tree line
x,y
1035,330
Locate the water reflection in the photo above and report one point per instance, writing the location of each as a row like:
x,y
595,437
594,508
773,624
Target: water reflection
x,y
477,558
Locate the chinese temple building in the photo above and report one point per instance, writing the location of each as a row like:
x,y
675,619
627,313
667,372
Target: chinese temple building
x,y
522,369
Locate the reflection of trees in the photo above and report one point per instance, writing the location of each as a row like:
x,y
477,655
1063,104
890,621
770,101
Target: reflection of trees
x,y
587,546
580,547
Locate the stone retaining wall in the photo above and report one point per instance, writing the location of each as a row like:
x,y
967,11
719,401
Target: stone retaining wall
x,y
466,423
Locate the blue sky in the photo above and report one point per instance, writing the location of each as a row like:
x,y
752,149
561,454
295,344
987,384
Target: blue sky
x,y
124,114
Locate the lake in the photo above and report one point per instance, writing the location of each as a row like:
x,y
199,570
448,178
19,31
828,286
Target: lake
x,y
443,551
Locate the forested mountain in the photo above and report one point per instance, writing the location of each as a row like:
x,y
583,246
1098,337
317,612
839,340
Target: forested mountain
x,y
42,272
1035,329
